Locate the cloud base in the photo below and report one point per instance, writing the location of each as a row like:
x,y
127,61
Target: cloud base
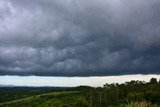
x,y
79,38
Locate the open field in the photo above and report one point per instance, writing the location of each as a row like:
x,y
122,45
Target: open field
x,y
54,99
63,99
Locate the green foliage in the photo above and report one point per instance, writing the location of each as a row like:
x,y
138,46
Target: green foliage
x,y
81,102
55,99
10,95
125,93
153,97
153,81
128,94
52,103
141,104
135,97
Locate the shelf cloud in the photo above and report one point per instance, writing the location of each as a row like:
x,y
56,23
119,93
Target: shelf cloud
x,y
79,37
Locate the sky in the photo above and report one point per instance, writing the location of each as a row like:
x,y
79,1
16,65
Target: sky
x,y
79,38
97,81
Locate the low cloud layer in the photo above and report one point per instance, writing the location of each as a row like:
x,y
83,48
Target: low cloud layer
x,y
79,37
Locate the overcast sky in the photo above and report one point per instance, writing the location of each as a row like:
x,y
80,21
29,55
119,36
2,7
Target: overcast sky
x,y
71,81
79,37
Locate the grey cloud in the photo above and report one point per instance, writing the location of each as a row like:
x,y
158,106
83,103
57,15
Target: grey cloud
x,y
79,37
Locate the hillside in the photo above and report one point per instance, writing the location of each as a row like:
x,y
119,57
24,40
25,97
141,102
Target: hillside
x,y
128,94
54,99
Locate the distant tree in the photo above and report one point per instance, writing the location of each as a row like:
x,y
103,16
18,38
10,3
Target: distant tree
x,y
153,81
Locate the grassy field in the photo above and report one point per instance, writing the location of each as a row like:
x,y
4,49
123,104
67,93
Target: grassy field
x,y
142,104
55,99
62,99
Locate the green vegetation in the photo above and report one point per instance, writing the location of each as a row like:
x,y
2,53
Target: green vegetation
x,y
129,94
9,95
55,99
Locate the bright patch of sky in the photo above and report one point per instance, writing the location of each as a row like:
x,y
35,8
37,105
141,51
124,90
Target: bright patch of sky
x,y
71,81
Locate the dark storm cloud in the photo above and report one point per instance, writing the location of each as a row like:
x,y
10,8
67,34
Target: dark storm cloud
x,y
79,37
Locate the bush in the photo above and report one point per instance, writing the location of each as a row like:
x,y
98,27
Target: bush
x,y
81,103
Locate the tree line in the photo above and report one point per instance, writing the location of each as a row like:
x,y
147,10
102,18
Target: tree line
x,y
125,93
110,95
